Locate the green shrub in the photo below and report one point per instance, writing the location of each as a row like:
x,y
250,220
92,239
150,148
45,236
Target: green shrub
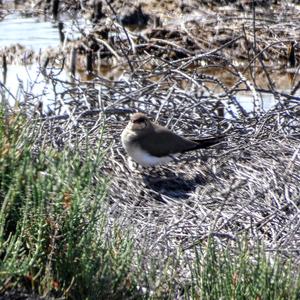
x,y
53,234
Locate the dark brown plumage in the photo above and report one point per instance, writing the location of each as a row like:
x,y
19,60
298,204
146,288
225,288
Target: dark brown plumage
x,y
169,142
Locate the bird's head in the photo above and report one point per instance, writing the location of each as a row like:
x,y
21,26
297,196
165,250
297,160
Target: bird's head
x,y
139,122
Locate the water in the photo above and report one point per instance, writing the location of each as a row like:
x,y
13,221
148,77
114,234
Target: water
x,y
23,82
30,32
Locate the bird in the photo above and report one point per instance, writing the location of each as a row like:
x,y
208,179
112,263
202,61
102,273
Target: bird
x,y
150,144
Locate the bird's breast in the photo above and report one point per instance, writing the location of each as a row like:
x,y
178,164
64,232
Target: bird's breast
x,y
127,138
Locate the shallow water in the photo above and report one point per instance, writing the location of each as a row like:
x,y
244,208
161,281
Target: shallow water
x,y
30,32
22,81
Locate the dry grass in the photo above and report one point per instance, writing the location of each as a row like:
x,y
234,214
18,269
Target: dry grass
x,y
247,187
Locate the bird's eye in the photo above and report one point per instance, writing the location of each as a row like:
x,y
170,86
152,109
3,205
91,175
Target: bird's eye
x,y
140,120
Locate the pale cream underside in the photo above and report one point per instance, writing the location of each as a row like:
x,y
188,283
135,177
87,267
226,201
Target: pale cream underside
x,y
145,159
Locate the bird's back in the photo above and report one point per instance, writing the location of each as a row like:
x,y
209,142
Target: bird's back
x,y
164,142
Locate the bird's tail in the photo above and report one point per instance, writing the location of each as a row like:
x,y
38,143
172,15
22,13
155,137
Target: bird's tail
x,y
207,142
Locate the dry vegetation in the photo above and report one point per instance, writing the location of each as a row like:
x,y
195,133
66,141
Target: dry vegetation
x,y
247,186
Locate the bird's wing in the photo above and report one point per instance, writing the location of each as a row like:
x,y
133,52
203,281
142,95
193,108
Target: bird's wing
x,y
165,143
